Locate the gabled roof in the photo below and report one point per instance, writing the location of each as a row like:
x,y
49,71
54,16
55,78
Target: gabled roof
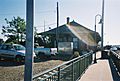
x,y
84,34
61,29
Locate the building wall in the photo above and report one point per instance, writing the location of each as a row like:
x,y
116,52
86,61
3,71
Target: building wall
x,y
78,45
65,38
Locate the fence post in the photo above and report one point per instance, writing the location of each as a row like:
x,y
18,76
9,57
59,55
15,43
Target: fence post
x,y
87,61
79,68
72,71
90,58
59,74
84,64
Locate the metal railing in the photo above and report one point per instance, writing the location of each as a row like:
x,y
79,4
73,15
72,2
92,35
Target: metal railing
x,y
116,59
68,71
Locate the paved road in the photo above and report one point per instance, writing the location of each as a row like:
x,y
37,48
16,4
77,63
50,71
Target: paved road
x,y
101,71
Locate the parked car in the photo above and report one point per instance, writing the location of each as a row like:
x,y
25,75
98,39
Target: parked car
x,y
48,52
117,46
114,49
13,51
107,47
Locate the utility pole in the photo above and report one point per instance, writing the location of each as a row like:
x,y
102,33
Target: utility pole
x,y
102,27
29,40
57,35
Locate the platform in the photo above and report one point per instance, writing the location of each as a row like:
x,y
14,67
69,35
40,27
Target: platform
x,y
103,70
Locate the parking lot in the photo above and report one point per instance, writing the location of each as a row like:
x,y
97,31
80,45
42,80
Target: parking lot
x,y
10,71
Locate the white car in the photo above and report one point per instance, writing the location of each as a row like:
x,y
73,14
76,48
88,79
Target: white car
x,y
114,49
45,52
14,51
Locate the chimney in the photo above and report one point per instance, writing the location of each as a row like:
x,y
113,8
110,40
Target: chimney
x,y
68,20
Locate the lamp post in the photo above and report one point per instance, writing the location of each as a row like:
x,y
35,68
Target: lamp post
x,y
95,61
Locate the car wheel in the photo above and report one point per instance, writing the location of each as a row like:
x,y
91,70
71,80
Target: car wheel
x,y
41,55
18,59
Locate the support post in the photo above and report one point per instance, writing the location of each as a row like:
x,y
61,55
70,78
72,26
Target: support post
x,y
29,40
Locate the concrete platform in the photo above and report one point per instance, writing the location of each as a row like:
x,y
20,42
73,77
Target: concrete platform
x,y
100,71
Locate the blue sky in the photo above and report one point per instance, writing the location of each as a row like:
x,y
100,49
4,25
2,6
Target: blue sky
x,y
82,11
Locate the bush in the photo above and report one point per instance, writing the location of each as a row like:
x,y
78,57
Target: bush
x,y
75,54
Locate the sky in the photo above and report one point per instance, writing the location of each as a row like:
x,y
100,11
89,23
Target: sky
x,y
81,11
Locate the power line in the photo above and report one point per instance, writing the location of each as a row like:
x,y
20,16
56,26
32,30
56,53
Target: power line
x,y
24,13
49,11
12,13
47,25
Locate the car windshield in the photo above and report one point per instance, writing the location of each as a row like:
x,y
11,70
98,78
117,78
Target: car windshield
x,y
19,47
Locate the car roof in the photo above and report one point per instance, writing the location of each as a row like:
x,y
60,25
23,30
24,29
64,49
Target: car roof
x,y
12,44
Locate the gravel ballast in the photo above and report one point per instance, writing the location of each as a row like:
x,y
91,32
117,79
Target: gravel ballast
x,y
11,72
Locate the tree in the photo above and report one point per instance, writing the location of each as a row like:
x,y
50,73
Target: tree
x,y
39,40
1,41
15,29
49,40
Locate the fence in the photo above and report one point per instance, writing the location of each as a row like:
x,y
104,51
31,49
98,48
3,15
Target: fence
x,y
68,71
116,59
